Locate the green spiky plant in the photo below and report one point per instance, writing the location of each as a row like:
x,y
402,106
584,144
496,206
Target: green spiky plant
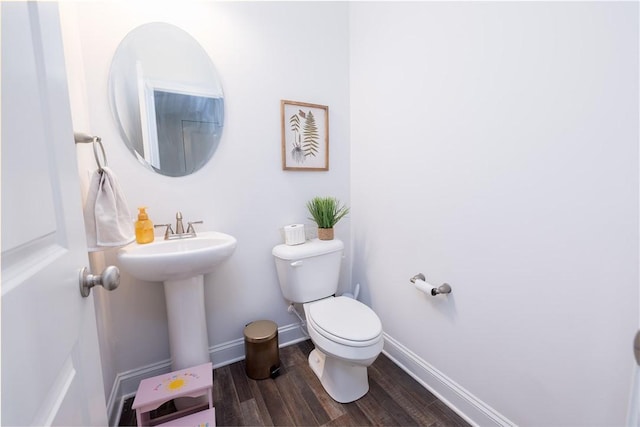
x,y
326,211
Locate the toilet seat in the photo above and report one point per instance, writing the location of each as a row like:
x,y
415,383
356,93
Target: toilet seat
x,y
346,321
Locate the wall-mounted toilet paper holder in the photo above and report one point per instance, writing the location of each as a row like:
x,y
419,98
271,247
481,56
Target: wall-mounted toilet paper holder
x,y
422,284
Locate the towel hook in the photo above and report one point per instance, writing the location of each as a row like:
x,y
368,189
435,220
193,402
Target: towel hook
x,y
83,138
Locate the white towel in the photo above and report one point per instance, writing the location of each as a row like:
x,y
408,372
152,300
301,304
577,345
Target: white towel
x,y
106,214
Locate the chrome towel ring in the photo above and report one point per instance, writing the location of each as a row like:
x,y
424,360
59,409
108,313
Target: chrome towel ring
x,y
83,138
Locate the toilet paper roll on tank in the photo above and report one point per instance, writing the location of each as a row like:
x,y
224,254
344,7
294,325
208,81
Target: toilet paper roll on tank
x,y
294,234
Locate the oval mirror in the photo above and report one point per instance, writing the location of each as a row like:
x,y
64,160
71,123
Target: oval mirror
x,y
167,98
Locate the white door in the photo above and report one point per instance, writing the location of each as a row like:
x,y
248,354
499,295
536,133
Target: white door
x,y
51,372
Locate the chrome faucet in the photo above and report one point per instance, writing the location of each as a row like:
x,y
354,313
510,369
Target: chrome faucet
x,y
180,233
179,225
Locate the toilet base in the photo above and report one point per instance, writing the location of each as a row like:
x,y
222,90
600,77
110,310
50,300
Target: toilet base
x,y
343,381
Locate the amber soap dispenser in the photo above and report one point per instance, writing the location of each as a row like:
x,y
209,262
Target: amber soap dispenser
x,y
144,227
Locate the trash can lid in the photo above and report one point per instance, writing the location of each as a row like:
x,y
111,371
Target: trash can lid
x,y
260,330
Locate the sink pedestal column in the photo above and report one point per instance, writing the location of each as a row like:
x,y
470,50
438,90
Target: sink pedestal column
x,y
188,338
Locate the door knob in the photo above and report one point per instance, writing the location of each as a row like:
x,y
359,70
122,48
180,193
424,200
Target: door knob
x,y
109,279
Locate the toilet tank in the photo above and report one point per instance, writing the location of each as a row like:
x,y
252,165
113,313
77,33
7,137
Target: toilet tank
x,y
309,271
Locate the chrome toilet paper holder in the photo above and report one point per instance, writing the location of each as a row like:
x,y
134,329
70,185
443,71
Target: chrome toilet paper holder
x,y
445,288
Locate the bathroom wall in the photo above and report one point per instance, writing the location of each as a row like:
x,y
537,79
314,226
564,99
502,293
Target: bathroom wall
x,y
264,52
501,157
495,147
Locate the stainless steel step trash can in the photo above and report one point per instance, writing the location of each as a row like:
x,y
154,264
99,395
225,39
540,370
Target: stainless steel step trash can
x,y
262,357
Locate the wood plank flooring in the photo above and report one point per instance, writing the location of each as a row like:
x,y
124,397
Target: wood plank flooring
x,y
296,398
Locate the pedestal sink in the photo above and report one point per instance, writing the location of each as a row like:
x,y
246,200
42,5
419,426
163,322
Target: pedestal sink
x,y
181,265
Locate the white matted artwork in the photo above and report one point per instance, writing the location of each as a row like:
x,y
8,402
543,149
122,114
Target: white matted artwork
x,y
305,136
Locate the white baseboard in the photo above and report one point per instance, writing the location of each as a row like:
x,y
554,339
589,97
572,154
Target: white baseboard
x,y
126,383
465,404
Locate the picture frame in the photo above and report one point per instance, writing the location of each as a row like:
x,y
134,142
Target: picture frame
x,y
305,136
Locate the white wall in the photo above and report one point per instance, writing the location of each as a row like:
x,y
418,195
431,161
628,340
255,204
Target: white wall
x,y
264,52
495,147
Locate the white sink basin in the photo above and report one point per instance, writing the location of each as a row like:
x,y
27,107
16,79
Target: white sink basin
x,y
179,259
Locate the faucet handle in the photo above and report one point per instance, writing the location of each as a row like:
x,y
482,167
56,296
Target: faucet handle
x,y
190,228
167,232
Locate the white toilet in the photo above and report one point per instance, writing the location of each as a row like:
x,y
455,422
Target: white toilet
x,y
347,334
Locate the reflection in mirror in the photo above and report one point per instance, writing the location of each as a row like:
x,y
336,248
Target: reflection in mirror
x,y
167,99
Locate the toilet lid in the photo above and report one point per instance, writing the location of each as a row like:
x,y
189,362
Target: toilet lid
x,y
345,318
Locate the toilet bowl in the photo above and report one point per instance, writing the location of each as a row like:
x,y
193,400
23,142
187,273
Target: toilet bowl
x,y
348,338
347,334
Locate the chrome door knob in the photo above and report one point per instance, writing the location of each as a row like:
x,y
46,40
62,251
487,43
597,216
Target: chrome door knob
x,y
109,279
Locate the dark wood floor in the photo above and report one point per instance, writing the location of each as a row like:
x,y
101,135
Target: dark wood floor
x,y
296,398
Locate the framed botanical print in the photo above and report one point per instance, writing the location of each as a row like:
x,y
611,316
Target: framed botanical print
x,y
305,136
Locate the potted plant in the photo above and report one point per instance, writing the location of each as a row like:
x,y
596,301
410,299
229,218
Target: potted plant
x,y
326,212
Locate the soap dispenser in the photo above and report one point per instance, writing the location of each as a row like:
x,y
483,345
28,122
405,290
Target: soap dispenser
x,y
144,227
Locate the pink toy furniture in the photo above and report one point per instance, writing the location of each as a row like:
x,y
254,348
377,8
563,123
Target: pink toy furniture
x,y
190,382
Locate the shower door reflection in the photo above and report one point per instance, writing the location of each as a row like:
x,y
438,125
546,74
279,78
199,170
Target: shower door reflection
x,y
182,131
